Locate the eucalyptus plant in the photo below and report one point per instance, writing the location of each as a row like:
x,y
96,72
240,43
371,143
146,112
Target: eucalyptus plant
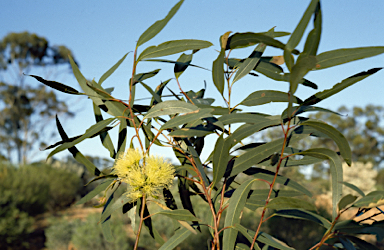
x,y
184,121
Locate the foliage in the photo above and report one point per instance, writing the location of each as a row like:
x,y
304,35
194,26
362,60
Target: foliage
x,y
36,189
85,234
184,122
26,109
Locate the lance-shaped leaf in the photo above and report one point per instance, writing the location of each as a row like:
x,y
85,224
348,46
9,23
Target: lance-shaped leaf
x,y
236,205
241,40
313,38
104,137
373,199
258,197
256,155
220,159
263,238
111,70
119,203
304,215
218,71
142,76
189,117
362,244
178,214
300,28
173,47
155,28
190,132
267,175
179,236
316,98
336,173
346,200
304,64
79,157
170,108
242,118
290,202
341,56
58,86
182,64
249,63
335,135
266,96
88,133
95,191
354,188
249,129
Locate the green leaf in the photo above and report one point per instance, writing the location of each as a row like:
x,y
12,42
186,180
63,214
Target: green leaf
x,y
247,233
122,137
313,38
353,187
319,96
336,173
111,70
218,71
242,118
170,108
269,176
189,132
236,205
340,56
258,154
300,28
107,232
182,64
303,215
79,157
258,198
88,133
142,76
220,159
249,129
290,202
179,236
178,214
155,28
346,200
189,117
373,199
335,135
173,47
304,64
266,96
362,244
95,191
242,40
249,63
119,203
104,137
58,86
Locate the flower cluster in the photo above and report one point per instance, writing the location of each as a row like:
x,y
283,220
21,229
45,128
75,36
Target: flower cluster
x,y
145,175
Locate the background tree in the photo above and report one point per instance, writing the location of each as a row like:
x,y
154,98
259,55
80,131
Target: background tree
x,y
25,108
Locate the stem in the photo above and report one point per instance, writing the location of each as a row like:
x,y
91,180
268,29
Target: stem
x,y
141,222
271,186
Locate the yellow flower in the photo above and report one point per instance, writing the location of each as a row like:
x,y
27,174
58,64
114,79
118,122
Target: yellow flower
x,y
145,175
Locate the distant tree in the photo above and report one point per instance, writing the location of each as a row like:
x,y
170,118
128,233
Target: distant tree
x,y
26,108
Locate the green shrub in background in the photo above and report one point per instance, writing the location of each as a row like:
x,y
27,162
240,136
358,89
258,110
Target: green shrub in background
x,y
85,235
183,124
30,190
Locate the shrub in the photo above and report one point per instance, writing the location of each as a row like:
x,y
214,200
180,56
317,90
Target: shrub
x,y
189,120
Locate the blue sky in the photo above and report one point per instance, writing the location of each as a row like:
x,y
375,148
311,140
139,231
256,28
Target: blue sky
x,y
99,33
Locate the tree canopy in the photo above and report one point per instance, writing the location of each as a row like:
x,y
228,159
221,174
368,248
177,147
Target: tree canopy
x,y
26,108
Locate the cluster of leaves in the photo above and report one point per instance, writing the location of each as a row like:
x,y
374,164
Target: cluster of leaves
x,y
185,122
26,109
30,190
